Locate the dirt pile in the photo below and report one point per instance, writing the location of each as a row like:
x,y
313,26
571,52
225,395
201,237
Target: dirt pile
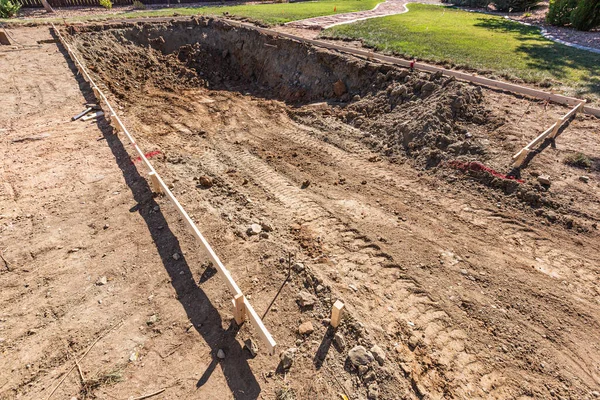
x,y
423,116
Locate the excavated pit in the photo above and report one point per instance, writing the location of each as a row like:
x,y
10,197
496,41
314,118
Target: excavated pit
x,y
424,116
168,73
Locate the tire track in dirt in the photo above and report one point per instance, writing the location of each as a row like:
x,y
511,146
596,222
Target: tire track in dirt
x,y
356,255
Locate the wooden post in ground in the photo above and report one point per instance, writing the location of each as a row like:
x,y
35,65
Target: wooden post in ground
x,y
239,309
115,124
336,313
97,94
154,184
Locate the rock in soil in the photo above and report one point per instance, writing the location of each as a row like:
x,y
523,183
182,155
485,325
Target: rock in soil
x,y
221,354
254,229
379,354
339,88
339,341
306,299
287,358
251,346
306,328
544,180
360,356
101,281
205,182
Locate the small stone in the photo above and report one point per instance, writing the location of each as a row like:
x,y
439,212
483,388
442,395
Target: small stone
x,y
221,354
133,357
544,180
596,393
298,267
287,358
306,328
102,281
105,227
584,178
152,320
266,227
363,369
379,354
413,341
251,346
319,288
360,356
339,88
305,184
369,376
205,182
254,229
306,299
176,256
264,235
373,392
339,340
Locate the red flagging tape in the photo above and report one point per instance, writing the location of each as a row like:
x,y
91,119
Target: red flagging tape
x,y
477,166
147,155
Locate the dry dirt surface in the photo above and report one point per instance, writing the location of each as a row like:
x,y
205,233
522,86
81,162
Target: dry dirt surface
x,y
373,185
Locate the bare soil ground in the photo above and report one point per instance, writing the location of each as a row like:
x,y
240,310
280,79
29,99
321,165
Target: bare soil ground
x,y
474,286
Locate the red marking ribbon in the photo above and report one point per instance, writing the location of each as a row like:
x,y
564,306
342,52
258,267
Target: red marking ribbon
x,y
147,155
477,166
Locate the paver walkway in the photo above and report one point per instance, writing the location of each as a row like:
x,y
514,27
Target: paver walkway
x,y
390,7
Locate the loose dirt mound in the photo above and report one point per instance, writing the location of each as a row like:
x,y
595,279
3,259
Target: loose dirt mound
x,y
422,116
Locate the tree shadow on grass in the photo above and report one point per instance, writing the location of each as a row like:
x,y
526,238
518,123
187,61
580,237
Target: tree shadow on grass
x,y
198,307
545,55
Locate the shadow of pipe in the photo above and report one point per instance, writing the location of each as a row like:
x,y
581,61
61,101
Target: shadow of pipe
x,y
198,307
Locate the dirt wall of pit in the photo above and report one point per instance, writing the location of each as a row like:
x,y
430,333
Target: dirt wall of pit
x,y
292,71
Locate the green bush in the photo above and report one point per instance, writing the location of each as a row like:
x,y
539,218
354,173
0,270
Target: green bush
x,y
515,5
9,8
138,5
559,13
106,4
586,15
469,3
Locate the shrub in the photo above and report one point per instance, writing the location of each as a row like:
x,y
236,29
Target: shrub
x,y
586,15
138,5
578,160
469,3
106,4
559,13
9,8
515,5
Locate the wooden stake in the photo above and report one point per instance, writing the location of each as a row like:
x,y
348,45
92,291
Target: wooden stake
x,y
239,309
336,313
96,93
115,123
154,182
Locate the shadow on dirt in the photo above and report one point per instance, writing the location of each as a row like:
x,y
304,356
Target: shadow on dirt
x,y
198,307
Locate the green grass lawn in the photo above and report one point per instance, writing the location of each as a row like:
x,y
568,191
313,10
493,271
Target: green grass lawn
x,y
474,40
270,14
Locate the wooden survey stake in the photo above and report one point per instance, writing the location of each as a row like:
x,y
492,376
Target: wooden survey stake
x,y
336,313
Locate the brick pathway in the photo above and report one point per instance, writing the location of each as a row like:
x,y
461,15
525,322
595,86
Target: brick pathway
x,y
389,7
